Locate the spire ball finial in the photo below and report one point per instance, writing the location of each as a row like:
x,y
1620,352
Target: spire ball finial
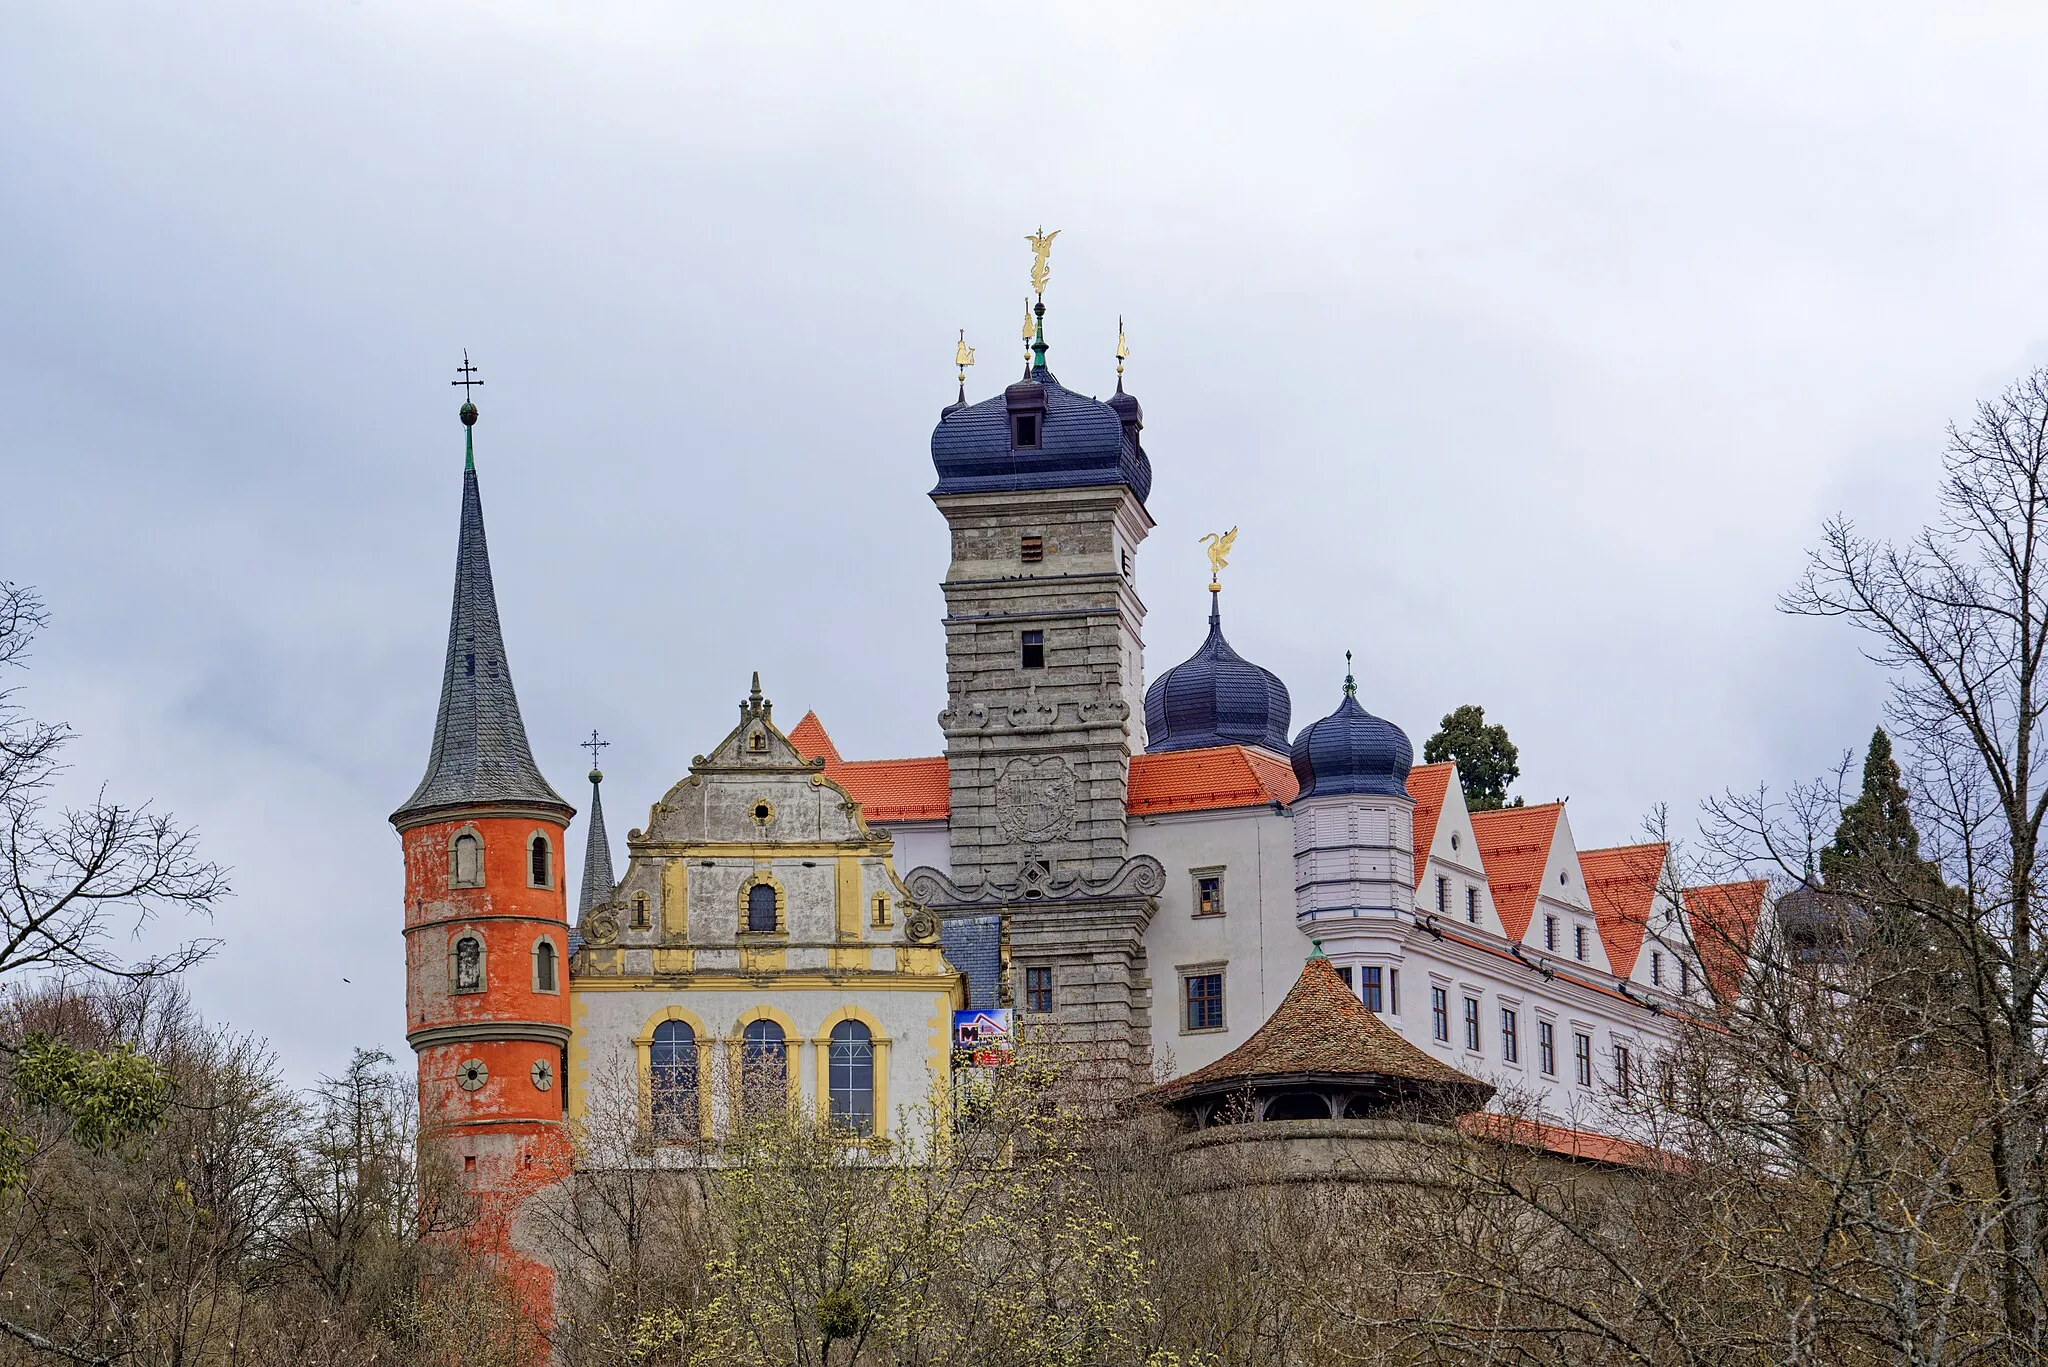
x,y
467,381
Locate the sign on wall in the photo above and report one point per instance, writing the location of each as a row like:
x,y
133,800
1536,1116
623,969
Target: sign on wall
x,y
982,1038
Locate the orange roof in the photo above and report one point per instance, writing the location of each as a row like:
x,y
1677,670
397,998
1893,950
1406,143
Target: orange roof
x,y
810,740
895,789
1208,780
1724,917
1427,785
1558,1139
1514,845
1621,882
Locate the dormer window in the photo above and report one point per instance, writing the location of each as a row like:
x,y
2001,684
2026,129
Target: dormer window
x,y
1024,431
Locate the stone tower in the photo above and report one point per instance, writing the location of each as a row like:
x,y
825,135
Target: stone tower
x,y
1044,493
486,925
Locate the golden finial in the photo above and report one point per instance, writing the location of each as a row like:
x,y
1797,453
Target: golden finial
x,y
963,356
1123,351
1041,258
1219,544
1027,335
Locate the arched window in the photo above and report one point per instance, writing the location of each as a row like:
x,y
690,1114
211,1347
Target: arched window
x,y
544,966
673,1077
466,963
850,1069
466,861
761,907
539,866
764,1069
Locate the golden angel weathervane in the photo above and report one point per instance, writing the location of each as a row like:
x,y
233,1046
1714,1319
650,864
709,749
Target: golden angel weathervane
x,y
1041,258
1219,544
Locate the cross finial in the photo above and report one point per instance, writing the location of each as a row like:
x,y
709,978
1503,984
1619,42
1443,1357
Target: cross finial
x,y
593,745
468,374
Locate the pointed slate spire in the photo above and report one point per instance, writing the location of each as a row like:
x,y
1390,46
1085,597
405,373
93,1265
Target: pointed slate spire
x,y
598,882
480,755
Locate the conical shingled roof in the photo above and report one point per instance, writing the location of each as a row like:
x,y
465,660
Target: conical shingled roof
x,y
1323,1031
598,882
480,755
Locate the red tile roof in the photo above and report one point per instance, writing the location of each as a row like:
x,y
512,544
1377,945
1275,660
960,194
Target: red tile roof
x,y
1427,784
1724,917
895,789
810,740
1558,1139
1621,882
1323,1029
1208,780
1514,844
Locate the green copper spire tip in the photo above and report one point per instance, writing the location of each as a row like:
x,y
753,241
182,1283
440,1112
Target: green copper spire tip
x,y
468,448
1350,684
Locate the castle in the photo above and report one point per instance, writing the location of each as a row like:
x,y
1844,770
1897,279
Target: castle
x,y
1143,870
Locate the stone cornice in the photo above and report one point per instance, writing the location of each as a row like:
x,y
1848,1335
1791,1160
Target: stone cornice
x,y
488,1032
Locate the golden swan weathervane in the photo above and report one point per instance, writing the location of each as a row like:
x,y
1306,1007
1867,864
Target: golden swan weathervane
x,y
1219,544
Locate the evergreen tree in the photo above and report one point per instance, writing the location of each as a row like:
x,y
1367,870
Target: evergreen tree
x,y
1486,758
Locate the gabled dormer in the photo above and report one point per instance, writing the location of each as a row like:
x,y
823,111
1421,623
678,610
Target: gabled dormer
x,y
1450,875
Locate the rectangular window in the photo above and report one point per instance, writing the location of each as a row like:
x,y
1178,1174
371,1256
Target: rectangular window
x,y
1582,1055
1443,895
1394,991
1208,892
1684,977
1031,549
1033,649
1510,1036
1624,1071
1550,933
1472,904
1546,1048
1440,1014
1026,432
1579,942
1038,989
1345,974
1472,1024
1371,994
1656,968
1204,1001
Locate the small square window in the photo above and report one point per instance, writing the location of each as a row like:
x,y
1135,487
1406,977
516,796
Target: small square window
x,y
1208,892
1024,434
1031,550
1031,649
1038,990
1204,996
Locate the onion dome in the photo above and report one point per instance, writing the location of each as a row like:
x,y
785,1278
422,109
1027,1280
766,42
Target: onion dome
x,y
1351,752
1216,697
1821,927
1038,434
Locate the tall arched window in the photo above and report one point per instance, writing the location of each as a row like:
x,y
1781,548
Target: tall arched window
x,y
850,1077
544,966
539,865
466,861
764,1069
761,907
673,1077
466,963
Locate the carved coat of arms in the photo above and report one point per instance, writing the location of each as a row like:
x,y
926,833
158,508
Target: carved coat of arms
x,y
1035,799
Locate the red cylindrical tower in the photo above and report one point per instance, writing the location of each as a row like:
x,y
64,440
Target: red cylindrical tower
x,y
487,929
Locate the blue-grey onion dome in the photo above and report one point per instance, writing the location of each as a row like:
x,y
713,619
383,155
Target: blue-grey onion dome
x,y
1352,752
1216,697
1818,926
1079,442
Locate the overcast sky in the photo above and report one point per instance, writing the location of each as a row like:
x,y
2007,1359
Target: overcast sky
x,y
1528,349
